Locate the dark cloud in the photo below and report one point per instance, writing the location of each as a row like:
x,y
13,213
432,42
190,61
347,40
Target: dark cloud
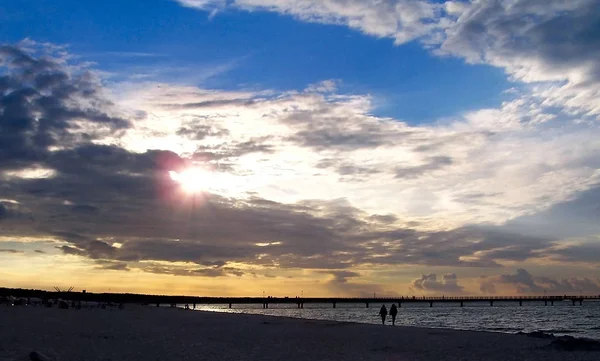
x,y
112,266
230,151
431,164
330,127
42,104
103,194
219,272
341,284
201,131
12,211
341,276
552,38
4,250
212,104
430,283
71,250
348,171
322,139
129,198
564,34
577,217
525,283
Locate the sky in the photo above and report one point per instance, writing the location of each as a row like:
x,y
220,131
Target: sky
x,y
314,147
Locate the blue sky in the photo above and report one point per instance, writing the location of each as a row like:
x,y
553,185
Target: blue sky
x,y
259,50
350,146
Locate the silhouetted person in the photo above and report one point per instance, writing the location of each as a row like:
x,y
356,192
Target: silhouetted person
x,y
383,314
393,313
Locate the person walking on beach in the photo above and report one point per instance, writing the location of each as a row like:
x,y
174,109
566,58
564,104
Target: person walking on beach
x,y
393,313
383,314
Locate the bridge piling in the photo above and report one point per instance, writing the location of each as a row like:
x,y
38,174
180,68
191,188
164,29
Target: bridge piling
x,y
334,304
430,303
520,302
367,303
462,304
230,305
491,303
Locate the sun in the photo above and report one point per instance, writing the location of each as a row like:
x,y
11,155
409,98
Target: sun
x,y
193,180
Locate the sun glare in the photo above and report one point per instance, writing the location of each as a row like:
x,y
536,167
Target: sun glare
x,y
193,180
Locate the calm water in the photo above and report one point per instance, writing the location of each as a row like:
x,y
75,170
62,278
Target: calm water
x,y
509,317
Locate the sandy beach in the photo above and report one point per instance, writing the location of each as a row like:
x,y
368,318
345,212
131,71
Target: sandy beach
x,y
149,334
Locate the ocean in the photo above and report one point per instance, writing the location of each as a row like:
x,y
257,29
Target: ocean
x,y
508,317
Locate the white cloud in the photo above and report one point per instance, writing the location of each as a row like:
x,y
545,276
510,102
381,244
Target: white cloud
x,y
535,41
402,20
430,283
488,166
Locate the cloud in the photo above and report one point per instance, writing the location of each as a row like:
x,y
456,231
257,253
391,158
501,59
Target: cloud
x,y
430,283
14,251
44,104
283,154
433,164
112,266
341,276
200,131
219,272
576,217
523,282
3,211
12,211
535,41
340,285
402,20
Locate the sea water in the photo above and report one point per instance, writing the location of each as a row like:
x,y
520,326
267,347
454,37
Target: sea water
x,y
560,319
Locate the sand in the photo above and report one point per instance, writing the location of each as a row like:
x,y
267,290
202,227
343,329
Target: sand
x,y
149,334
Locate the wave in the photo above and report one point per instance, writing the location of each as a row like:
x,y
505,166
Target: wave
x,y
559,330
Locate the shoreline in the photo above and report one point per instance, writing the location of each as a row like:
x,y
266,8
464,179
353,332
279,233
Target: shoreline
x,y
150,333
388,324
536,334
449,318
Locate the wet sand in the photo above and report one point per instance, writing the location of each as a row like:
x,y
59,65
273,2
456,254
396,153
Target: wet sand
x,y
148,334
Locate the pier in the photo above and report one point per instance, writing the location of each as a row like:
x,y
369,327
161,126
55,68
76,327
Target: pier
x,y
158,300
430,301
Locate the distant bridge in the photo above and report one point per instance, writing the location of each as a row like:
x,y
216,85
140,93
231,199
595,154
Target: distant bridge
x,y
298,301
334,301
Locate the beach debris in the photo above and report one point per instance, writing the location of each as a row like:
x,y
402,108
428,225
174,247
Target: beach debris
x,y
570,343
